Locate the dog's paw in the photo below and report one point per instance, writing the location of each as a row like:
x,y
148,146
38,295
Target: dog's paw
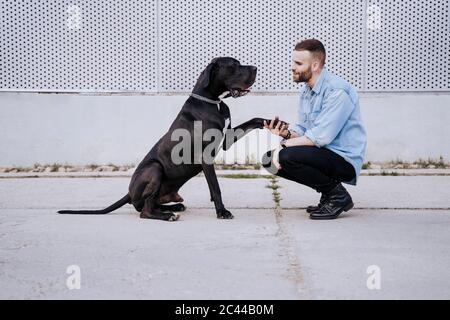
x,y
165,216
174,217
179,207
225,215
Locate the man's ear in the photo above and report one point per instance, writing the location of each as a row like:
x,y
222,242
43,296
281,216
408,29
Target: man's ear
x,y
316,65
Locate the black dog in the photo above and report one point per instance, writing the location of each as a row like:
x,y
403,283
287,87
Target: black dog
x,y
157,179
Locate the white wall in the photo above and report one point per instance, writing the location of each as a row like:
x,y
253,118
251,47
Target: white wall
x,y
120,129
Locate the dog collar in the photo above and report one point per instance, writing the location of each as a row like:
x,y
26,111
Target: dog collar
x,y
196,96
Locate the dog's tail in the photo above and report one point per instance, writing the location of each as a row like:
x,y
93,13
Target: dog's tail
x,y
111,208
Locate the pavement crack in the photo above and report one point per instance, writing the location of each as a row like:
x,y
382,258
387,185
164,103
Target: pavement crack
x,y
275,186
294,270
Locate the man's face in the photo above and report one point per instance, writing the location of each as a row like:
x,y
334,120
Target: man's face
x,y
301,66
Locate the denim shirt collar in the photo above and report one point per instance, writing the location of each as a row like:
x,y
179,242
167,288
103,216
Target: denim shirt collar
x,y
319,83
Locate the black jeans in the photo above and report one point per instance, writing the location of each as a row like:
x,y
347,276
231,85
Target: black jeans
x,y
317,168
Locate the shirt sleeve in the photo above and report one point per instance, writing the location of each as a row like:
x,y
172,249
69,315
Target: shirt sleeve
x,y
298,128
336,110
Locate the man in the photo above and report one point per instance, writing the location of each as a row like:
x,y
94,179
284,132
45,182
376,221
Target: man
x,y
327,146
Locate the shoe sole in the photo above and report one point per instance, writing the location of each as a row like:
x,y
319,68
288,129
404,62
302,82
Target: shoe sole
x,y
312,210
346,209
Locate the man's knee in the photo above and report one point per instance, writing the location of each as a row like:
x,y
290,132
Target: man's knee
x,y
270,162
295,156
267,159
285,156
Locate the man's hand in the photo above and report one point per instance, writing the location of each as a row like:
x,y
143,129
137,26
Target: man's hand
x,y
277,127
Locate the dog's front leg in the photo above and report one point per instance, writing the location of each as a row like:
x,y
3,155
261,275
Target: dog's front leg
x,y
234,134
214,189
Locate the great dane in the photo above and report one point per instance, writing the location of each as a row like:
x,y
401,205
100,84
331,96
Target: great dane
x,y
157,179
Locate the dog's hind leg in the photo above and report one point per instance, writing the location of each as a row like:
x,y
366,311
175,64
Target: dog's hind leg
x,y
150,196
169,197
178,207
152,211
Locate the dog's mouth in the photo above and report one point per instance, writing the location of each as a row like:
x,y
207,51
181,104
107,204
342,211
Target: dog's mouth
x,y
238,92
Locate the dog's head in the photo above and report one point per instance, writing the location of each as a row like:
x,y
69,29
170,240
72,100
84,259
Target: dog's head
x,y
227,75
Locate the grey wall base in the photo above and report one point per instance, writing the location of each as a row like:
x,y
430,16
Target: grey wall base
x,y
120,129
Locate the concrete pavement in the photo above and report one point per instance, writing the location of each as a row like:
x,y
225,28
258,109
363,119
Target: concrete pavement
x,y
400,225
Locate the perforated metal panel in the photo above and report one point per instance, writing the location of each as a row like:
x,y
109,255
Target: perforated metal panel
x,y
163,45
58,45
262,33
410,49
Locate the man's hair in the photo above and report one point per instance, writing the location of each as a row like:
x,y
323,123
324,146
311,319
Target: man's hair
x,y
316,48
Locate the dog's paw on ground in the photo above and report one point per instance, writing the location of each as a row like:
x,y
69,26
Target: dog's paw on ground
x,y
225,215
174,217
179,207
165,216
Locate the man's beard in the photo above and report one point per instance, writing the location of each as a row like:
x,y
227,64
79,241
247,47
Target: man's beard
x,y
304,76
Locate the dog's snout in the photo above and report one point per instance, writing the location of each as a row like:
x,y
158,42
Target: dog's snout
x,y
254,69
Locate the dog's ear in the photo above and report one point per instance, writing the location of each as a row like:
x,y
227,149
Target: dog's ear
x,y
205,77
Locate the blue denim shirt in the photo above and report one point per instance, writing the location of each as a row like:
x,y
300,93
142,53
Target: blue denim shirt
x,y
329,115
